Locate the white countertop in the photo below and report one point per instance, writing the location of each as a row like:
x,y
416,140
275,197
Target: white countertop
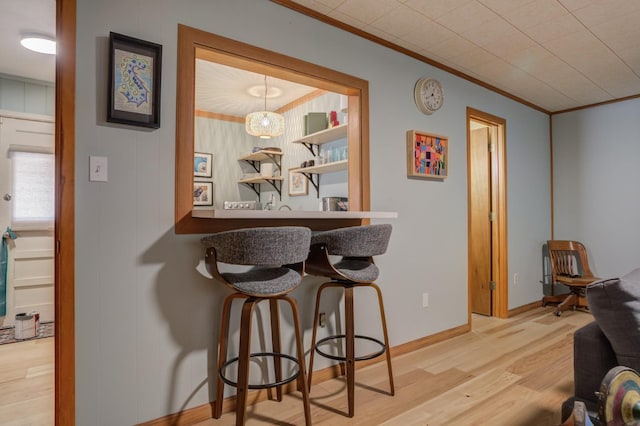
x,y
288,214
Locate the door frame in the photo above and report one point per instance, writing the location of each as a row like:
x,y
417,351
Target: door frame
x,y
64,233
500,296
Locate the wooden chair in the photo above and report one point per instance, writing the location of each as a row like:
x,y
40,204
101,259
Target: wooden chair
x,y
354,248
569,266
278,254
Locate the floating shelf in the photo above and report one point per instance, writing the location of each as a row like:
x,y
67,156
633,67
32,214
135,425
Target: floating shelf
x,y
256,157
313,173
255,182
335,166
322,137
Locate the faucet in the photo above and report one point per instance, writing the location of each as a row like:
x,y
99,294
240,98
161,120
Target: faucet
x,y
271,203
284,206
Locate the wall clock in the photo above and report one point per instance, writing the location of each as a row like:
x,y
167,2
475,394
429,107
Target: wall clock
x,y
429,95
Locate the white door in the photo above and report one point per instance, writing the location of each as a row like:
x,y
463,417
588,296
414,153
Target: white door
x,y
27,207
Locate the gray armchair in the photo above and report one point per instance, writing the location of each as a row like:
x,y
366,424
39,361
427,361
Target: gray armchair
x,y
612,339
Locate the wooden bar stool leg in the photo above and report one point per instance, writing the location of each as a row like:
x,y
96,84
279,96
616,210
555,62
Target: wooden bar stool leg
x,y
350,347
386,338
275,341
316,315
242,389
302,378
222,354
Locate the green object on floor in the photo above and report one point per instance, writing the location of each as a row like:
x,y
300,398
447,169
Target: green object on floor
x,y
4,255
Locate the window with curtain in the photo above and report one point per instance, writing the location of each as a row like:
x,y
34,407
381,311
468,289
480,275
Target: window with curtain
x,y
33,196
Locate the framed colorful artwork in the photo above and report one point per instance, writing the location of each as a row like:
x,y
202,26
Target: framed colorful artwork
x,y
202,164
135,68
202,193
427,155
298,184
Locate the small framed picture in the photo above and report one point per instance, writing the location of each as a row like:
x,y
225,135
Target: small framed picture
x,y
135,68
202,193
427,155
298,184
202,166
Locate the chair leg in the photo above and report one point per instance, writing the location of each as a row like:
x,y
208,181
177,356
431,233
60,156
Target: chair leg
x,y
569,302
386,338
316,315
243,359
275,341
350,347
222,355
302,377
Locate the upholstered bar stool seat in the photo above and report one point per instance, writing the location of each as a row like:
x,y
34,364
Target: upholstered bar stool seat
x,y
356,247
277,255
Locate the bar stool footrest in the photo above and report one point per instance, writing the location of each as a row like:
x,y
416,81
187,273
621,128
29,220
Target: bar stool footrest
x,y
262,385
372,355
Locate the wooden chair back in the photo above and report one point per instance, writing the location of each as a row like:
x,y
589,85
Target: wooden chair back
x,y
568,259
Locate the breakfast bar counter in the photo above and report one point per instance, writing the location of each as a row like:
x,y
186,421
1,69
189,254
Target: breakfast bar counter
x,y
289,214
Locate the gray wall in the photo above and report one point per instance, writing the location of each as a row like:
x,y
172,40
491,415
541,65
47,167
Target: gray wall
x,y
24,95
596,152
146,321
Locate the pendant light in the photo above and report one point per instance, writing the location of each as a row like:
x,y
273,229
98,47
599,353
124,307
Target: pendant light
x,y
265,124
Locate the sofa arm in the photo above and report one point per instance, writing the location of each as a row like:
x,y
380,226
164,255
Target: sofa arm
x,y
593,357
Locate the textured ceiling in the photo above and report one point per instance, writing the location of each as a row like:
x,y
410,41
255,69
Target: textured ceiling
x,y
554,54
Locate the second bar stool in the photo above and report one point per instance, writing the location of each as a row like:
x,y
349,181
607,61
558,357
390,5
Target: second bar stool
x,y
356,245
278,255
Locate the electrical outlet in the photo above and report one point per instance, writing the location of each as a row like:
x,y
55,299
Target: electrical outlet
x,y
322,319
515,279
425,300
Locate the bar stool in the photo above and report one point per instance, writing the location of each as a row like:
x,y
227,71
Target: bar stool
x,y
278,255
357,246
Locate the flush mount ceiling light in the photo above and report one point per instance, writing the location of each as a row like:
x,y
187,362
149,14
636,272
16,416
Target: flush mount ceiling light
x,y
264,124
39,43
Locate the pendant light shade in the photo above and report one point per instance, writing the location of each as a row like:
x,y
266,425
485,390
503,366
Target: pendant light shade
x,y
264,124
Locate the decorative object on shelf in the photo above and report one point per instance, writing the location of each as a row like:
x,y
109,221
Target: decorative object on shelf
x,y
428,95
335,204
427,155
298,184
202,193
135,67
315,122
264,124
202,164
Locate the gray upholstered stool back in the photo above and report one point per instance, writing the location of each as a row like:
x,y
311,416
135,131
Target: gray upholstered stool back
x,y
280,245
356,241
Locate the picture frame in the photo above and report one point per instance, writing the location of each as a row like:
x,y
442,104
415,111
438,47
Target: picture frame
x,y
427,155
135,70
298,184
203,193
202,164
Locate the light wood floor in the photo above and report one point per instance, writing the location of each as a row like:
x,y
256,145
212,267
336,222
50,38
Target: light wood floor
x,y
513,372
26,383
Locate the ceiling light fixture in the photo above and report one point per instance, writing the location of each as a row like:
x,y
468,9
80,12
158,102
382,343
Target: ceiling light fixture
x,y
264,124
39,43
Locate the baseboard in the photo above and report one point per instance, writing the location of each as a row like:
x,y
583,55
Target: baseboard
x,y
204,412
524,308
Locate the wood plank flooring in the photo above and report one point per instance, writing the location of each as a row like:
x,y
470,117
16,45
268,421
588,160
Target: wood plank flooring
x,y
26,383
511,372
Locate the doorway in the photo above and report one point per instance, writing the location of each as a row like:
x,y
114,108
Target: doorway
x,y
487,214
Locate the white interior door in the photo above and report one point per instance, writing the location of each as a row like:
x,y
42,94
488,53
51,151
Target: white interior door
x,y
30,266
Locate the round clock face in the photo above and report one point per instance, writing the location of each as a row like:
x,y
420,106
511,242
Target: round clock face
x,y
429,95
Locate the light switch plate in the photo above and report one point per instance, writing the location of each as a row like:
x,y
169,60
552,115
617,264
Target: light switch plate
x,y
98,169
